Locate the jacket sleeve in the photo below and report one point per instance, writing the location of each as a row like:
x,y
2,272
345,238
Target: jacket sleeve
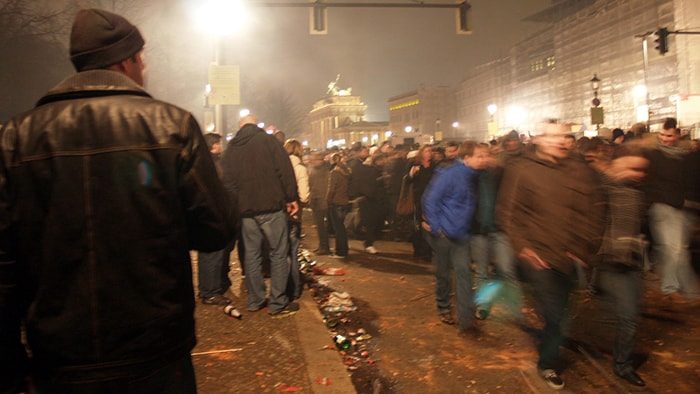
x,y
284,170
13,305
210,219
302,175
506,207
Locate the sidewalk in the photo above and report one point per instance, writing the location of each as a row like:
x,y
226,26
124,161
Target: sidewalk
x,y
263,354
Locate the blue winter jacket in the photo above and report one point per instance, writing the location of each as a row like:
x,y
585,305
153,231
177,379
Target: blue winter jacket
x,y
450,200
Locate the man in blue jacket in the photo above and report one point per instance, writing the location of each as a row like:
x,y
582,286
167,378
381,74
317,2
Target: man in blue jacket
x,y
448,210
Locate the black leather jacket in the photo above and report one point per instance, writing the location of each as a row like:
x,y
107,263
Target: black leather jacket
x,y
103,192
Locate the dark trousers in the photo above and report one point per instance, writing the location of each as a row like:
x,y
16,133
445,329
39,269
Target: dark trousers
x,y
319,215
170,377
551,291
337,213
372,217
623,291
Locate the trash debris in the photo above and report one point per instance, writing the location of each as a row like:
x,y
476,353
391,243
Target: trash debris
x,y
363,337
286,388
339,308
233,312
341,342
323,381
329,271
339,299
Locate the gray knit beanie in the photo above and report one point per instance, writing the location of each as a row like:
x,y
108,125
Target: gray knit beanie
x,y
99,39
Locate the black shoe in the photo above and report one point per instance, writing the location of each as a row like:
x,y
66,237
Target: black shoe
x,y
288,310
631,376
552,379
217,299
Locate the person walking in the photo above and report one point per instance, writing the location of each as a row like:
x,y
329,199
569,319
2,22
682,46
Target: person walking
x,y
259,177
551,208
104,190
448,209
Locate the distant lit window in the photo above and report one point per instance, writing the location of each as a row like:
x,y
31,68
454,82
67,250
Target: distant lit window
x,y
550,62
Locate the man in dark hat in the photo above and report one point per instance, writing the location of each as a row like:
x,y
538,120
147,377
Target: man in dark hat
x,y
103,192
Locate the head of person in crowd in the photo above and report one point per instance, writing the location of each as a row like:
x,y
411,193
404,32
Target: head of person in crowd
x,y
337,159
438,154
280,136
401,151
294,148
618,136
213,141
102,40
638,130
386,147
627,163
511,142
570,143
670,135
424,156
316,158
594,150
551,142
474,154
451,150
248,119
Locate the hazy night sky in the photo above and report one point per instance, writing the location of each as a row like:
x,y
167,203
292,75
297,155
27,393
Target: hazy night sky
x,y
379,52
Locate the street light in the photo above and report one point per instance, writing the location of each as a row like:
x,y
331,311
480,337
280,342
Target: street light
x,y
222,18
595,84
597,116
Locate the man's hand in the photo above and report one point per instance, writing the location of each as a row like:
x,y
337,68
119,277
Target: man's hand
x,y
533,259
425,225
292,208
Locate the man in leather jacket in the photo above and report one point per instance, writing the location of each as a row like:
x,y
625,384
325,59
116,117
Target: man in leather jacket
x,y
103,192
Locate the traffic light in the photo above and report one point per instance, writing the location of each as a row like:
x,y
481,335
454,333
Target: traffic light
x,y
463,18
318,19
661,40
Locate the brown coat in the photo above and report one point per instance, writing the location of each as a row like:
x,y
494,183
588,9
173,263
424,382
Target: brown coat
x,y
552,209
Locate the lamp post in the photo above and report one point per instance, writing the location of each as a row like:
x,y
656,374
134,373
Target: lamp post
x,y
597,116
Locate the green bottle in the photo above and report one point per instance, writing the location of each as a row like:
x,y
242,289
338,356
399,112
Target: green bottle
x,y
341,342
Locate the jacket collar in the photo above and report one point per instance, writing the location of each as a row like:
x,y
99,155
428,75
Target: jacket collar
x,y
93,83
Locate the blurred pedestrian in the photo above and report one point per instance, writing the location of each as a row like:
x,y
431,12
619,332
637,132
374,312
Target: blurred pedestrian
x,y
318,186
550,207
420,174
258,175
296,151
339,203
213,267
620,259
448,207
103,192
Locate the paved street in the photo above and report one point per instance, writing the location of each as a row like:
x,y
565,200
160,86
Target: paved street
x,y
411,351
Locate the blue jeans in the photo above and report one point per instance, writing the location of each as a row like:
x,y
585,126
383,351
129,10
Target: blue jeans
x,y
274,227
294,285
449,254
212,272
171,377
551,291
495,247
337,213
670,233
624,291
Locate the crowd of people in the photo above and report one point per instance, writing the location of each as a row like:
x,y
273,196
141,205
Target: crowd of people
x,y
549,209
104,191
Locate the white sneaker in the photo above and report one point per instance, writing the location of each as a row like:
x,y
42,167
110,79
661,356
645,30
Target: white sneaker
x,y
371,250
